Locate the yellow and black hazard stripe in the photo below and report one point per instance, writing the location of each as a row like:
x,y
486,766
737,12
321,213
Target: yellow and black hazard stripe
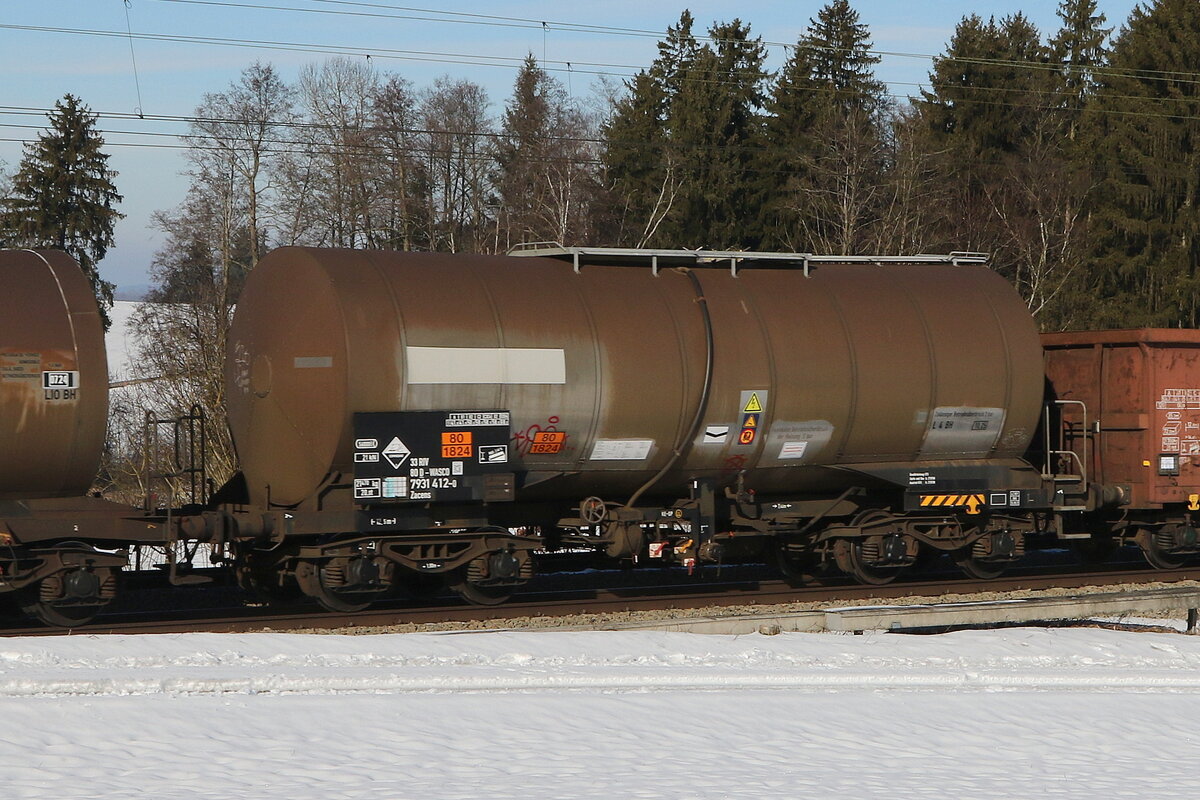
x,y
974,503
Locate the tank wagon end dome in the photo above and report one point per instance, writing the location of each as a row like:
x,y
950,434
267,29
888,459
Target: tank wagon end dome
x,y
53,376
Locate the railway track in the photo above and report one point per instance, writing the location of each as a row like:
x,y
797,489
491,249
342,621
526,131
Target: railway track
x,y
640,592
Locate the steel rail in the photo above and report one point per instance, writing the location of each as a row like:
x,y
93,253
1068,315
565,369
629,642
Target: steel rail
x,y
564,602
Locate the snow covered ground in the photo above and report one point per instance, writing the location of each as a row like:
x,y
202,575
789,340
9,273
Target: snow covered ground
x,y
1017,713
121,339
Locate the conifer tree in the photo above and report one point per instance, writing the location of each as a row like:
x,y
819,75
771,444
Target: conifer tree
x,y
679,145
641,178
1144,124
990,87
837,49
713,125
825,155
63,195
544,183
1079,48
999,111
642,169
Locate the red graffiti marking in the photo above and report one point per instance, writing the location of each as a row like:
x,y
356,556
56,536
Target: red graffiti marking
x,y
733,464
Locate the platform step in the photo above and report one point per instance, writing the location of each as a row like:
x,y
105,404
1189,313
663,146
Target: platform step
x,y
1063,478
190,580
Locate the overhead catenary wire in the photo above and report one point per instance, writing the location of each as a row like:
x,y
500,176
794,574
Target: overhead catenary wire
x,y
494,134
530,23
270,147
590,140
133,58
507,61
477,59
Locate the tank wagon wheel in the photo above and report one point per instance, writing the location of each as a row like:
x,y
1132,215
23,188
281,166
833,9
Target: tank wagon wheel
x,y
473,581
60,613
71,598
1156,546
976,568
312,576
797,568
478,595
850,554
853,557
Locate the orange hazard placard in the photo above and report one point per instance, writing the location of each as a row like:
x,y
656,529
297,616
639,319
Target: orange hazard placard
x,y
547,443
457,451
456,437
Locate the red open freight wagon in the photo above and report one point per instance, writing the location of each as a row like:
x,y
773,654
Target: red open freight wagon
x,y
1130,405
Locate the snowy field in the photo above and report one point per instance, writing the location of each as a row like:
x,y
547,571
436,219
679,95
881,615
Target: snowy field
x,y
538,716
121,339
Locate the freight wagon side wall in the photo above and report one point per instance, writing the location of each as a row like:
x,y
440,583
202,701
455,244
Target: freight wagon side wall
x,y
1142,389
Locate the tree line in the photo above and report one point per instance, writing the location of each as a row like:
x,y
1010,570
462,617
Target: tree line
x,y
1069,156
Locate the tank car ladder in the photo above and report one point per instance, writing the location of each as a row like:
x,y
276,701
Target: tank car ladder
x,y
1059,454
186,468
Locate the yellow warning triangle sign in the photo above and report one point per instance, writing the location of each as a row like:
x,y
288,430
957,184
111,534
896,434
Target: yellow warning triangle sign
x,y
751,421
753,406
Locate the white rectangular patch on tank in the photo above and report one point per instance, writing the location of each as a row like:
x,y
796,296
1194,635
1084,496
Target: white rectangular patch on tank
x,y
505,365
792,450
798,441
621,449
964,431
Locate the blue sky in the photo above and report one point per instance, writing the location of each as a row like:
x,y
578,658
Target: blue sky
x,y
40,66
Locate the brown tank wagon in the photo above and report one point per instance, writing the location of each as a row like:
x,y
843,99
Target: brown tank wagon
x,y
853,364
658,403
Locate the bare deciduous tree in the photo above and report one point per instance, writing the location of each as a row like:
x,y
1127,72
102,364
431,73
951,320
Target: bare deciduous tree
x,y
404,185
235,141
460,163
339,171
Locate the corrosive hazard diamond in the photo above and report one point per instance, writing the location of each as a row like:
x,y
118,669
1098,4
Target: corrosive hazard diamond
x,y
396,452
